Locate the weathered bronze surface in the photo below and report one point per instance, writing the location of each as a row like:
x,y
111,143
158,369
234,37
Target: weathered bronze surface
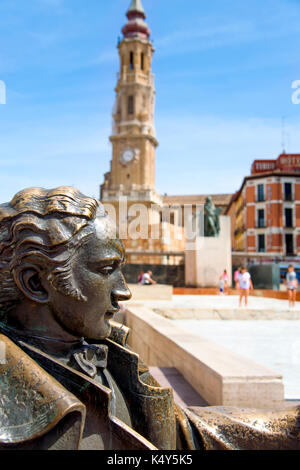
x,y
68,380
211,219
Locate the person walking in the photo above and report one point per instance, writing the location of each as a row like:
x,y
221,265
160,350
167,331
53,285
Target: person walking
x,y
237,272
225,279
245,284
291,282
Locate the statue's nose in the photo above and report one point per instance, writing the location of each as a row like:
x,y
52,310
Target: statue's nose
x,y
121,290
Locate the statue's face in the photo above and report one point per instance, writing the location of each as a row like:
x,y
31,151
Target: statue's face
x,y
97,273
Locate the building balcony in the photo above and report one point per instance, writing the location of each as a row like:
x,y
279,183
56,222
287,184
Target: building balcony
x,y
240,209
239,230
136,77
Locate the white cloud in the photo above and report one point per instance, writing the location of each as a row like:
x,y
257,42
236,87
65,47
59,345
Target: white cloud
x,y
197,154
105,57
67,151
217,31
210,154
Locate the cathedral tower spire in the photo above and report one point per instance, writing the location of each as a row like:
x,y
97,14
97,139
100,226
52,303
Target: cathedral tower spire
x,y
128,192
133,137
137,7
136,26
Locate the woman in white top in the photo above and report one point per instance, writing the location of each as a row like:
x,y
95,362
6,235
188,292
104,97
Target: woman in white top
x,y
245,284
291,283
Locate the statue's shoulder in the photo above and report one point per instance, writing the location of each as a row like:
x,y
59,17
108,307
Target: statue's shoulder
x,y
230,428
119,333
32,403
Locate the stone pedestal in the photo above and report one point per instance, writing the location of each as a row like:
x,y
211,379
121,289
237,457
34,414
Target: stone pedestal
x,y
220,376
209,256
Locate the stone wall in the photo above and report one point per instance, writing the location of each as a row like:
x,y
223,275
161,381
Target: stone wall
x,y
218,375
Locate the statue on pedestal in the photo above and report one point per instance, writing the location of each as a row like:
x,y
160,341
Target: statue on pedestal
x,y
211,219
67,378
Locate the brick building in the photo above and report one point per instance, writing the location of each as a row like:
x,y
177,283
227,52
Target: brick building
x,y
265,211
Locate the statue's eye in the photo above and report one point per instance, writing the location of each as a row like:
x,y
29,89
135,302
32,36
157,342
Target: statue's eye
x,y
107,270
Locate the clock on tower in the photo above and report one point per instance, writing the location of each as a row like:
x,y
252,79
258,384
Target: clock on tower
x,y
127,156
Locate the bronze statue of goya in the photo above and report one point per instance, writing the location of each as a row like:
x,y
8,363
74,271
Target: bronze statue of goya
x,y
211,219
67,378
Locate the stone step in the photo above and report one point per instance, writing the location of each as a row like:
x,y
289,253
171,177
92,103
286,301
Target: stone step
x,y
184,394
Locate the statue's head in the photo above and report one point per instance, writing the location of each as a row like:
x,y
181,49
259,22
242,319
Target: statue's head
x,y
58,248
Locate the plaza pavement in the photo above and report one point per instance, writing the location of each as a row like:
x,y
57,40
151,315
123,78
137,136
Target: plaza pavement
x,y
222,307
275,344
221,302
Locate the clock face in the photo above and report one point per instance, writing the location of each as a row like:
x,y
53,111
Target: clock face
x,y
127,156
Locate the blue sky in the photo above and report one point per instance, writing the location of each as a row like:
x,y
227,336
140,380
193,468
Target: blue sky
x,y
223,74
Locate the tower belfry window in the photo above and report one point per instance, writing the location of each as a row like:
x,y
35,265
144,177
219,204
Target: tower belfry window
x,y
142,61
130,104
131,61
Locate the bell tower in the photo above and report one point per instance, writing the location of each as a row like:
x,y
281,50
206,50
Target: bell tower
x,y
132,171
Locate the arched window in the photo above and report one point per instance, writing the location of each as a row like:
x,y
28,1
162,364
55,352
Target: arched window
x,y
119,109
131,61
130,104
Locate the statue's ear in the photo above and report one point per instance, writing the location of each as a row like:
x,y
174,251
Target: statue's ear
x,y
29,281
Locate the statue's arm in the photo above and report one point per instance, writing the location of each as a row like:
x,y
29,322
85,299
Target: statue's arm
x,y
64,436
228,428
36,411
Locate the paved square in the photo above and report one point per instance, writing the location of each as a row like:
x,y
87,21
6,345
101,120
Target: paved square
x,y
275,344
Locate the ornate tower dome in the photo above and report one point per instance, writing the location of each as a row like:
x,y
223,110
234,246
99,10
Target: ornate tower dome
x,y
136,26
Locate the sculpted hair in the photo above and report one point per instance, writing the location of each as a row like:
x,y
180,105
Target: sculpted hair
x,y
44,228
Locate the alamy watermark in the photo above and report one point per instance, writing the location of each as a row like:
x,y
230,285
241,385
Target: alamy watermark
x,y
2,92
296,94
168,223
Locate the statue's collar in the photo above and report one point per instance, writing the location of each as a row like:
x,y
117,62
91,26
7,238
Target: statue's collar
x,y
88,357
38,340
